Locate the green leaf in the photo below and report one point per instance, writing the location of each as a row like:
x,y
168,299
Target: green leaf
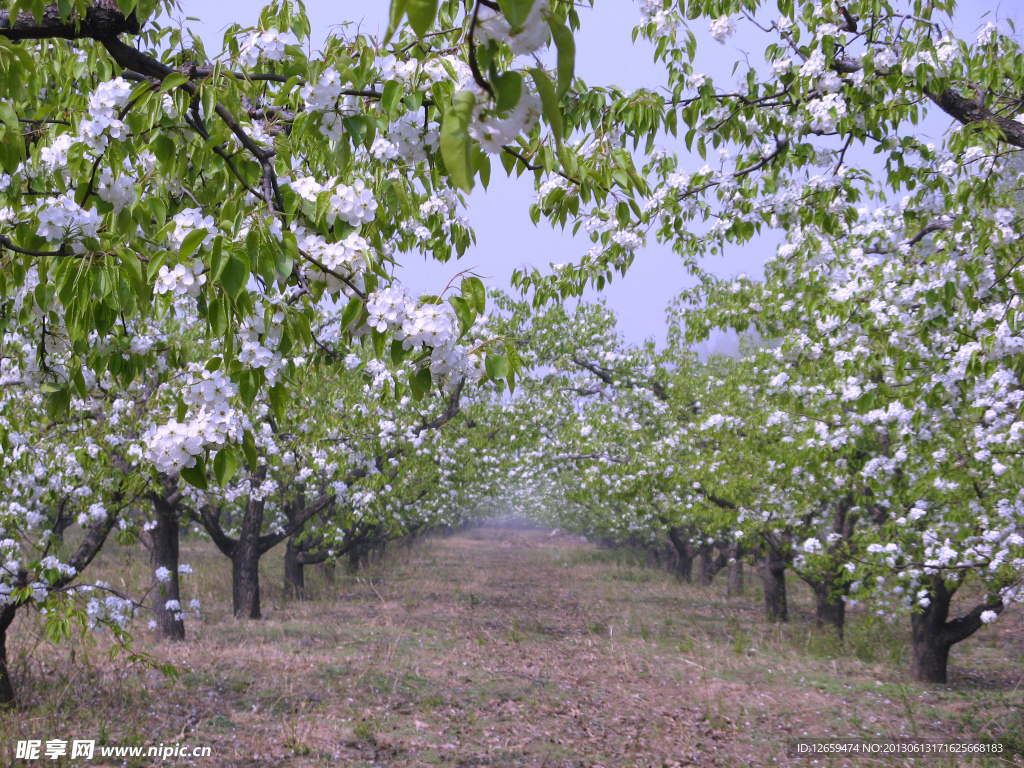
x,y
419,383
456,146
249,449
279,399
225,463
514,360
172,81
508,87
394,18
549,102
355,126
379,340
390,97
217,315
192,242
58,402
497,366
421,15
9,117
464,312
236,275
566,45
351,313
248,387
474,292
516,11
285,258
196,475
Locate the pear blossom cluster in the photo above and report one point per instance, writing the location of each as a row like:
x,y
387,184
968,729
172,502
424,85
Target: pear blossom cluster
x,y
413,140
103,123
340,265
269,44
182,280
258,342
111,609
119,192
826,112
62,219
424,74
666,22
212,423
530,37
325,92
429,326
722,28
352,203
190,220
494,131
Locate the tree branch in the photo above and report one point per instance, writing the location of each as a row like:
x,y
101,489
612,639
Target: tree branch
x,y
102,19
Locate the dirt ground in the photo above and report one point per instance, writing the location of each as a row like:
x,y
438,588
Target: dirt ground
x,y
506,647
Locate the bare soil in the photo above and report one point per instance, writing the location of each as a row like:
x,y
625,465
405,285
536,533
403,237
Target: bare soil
x,y
503,647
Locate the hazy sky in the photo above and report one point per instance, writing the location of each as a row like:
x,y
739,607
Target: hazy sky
x,y
506,238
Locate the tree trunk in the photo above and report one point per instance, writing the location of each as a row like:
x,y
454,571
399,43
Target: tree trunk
x,y
163,553
354,556
7,614
684,554
929,649
829,608
734,585
772,570
245,558
930,653
932,636
327,570
60,525
706,573
245,582
294,574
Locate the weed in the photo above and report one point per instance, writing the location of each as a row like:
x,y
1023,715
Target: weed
x,y
366,730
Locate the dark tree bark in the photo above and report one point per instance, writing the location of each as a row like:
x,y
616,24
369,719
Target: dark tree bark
x,y
705,571
684,553
300,550
7,614
829,605
354,556
830,587
711,563
245,578
771,567
245,560
296,557
61,522
294,572
328,570
933,635
163,553
734,572
102,19
245,551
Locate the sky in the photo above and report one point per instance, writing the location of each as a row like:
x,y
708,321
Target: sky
x,y
506,237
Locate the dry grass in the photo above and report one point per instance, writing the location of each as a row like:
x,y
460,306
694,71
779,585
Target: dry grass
x,y
506,648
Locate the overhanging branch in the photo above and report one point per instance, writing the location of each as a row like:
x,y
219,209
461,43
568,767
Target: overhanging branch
x,y
102,19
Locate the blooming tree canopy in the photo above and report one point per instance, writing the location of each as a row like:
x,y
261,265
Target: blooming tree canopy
x,y
261,196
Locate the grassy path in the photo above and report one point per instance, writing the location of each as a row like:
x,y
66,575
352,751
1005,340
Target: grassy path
x,y
511,648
